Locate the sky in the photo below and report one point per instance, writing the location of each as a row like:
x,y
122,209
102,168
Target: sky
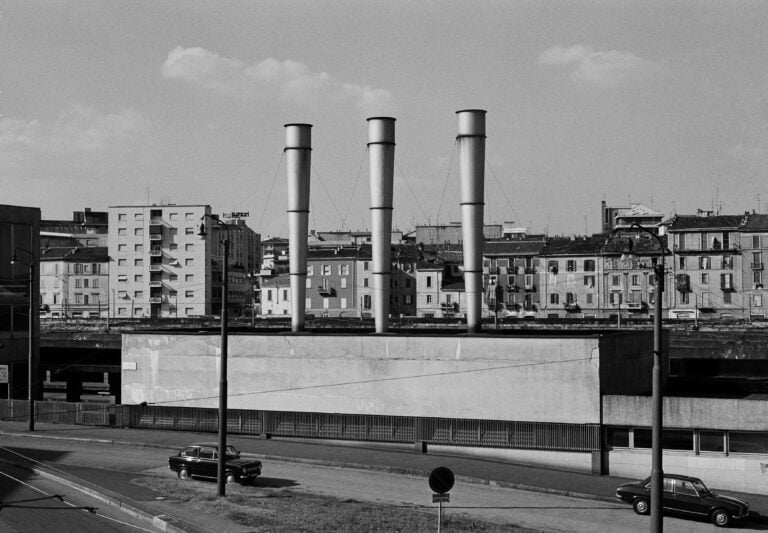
x,y
663,103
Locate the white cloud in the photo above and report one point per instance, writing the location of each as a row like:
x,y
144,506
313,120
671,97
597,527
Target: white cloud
x,y
286,81
79,129
600,69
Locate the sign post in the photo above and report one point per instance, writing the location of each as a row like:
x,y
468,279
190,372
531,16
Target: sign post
x,y
441,481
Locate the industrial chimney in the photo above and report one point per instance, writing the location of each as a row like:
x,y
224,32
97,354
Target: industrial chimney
x,y
471,141
381,155
298,149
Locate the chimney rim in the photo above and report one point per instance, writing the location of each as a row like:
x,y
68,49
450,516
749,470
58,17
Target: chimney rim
x,y
471,111
297,124
380,118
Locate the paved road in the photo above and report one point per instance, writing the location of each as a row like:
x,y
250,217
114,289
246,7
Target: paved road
x,y
114,466
33,503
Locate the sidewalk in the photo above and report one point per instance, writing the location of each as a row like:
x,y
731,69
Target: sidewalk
x,y
389,458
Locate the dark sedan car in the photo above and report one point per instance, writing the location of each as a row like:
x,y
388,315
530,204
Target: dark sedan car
x,y
687,495
202,460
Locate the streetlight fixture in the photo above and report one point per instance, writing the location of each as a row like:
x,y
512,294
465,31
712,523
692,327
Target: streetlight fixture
x,y
30,331
657,409
222,457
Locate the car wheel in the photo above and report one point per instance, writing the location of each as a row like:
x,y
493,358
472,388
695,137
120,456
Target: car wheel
x,y
229,477
183,473
641,506
721,517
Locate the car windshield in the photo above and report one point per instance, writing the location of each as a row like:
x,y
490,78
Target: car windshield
x,y
701,488
231,450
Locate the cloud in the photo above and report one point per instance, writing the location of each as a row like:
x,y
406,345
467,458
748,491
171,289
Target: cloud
x,y
286,81
600,69
78,130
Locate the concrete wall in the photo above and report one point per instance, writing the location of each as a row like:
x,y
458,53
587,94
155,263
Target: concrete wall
x,y
735,472
544,378
710,413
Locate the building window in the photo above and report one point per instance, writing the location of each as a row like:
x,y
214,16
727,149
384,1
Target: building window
x,y
407,299
189,294
122,232
138,232
552,266
589,265
174,216
429,298
122,217
748,442
365,265
343,270
138,295
122,278
122,311
309,283
757,300
138,248
685,298
615,298
189,247
343,303
189,231
138,262
726,298
269,295
429,281
755,241
122,247
173,277
95,283
189,277
78,283
308,303
189,262
570,265
705,278
310,270
570,298
704,262
138,278
589,298
365,282
285,295
326,303
366,301
189,216
326,269
589,282
343,283
554,298
616,280
635,279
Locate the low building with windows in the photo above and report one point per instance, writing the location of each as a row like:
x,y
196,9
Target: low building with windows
x,y
509,267
753,243
275,295
74,282
440,283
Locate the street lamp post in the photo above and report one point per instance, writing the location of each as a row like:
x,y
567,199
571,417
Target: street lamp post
x,y
657,473
222,454
30,332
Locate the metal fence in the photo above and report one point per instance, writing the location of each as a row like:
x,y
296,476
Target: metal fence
x,y
336,426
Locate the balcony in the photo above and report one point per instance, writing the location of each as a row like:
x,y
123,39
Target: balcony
x,y
572,307
155,237
156,221
156,284
156,251
757,266
326,291
156,268
155,299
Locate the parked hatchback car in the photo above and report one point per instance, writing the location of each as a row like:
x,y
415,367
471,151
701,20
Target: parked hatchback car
x,y
202,460
687,495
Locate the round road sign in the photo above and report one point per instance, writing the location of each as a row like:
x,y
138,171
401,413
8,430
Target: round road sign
x,y
441,480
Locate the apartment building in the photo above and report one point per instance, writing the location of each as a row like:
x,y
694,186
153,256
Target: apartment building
x,y
569,285
709,275
74,282
508,275
87,228
440,283
753,243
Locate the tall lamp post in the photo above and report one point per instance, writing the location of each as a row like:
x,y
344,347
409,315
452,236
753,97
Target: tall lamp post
x,y
30,332
657,473
222,454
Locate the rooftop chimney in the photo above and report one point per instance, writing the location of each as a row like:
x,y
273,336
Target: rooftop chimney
x,y
298,150
471,141
381,155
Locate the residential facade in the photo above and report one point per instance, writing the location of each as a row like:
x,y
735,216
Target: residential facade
x,y
509,276
709,274
74,282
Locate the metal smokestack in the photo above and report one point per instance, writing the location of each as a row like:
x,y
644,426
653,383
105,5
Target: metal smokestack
x,y
381,155
298,150
471,141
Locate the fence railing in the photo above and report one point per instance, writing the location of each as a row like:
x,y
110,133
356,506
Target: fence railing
x,y
336,426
